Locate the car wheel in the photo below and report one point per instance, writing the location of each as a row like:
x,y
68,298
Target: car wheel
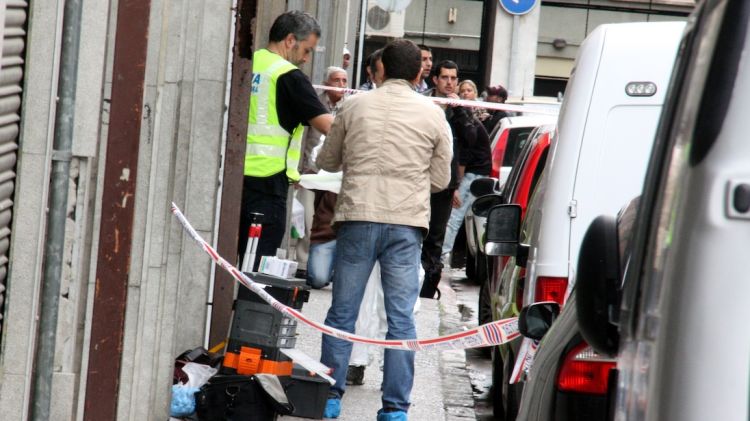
x,y
470,265
481,268
512,391
496,390
484,305
484,311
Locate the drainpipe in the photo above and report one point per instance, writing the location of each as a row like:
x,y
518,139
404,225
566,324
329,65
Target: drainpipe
x,y
360,58
56,217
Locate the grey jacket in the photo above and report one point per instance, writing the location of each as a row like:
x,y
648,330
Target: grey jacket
x,y
394,147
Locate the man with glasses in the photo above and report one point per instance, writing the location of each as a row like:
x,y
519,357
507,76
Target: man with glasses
x,y
282,101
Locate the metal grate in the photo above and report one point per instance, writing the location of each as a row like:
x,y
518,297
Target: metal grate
x,y
11,79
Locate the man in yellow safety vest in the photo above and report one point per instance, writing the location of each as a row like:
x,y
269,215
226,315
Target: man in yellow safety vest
x,y
282,101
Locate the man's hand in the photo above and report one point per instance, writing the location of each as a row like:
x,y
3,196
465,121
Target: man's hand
x,y
453,96
456,202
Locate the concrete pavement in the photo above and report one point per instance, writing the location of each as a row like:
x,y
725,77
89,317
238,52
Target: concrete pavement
x,y
441,391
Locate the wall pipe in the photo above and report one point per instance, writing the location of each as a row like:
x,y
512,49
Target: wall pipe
x,y
360,54
57,215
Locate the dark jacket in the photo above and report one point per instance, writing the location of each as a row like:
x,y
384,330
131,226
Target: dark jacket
x,y
475,154
471,143
491,122
322,230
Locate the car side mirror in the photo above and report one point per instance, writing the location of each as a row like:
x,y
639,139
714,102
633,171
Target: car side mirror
x,y
598,285
483,186
483,204
536,319
503,230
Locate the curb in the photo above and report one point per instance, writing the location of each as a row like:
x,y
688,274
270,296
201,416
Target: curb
x,y
458,399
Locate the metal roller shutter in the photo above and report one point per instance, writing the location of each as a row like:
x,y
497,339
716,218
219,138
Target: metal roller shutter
x,y
11,78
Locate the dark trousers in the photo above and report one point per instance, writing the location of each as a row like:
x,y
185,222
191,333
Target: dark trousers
x,y
440,212
273,208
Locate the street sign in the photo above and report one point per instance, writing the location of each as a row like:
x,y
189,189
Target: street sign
x,y
518,7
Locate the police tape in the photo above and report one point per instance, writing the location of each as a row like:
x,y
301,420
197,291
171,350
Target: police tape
x,y
537,108
490,334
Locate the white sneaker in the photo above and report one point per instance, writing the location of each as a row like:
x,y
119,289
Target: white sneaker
x,y
445,259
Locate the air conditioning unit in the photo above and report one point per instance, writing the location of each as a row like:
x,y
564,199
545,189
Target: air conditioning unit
x,y
380,22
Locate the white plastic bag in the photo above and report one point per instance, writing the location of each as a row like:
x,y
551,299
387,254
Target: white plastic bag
x,y
183,395
198,374
323,180
298,219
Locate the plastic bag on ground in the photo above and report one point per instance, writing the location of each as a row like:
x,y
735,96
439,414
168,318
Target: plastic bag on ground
x,y
183,395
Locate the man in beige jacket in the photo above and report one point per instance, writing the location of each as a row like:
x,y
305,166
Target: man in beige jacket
x,y
394,147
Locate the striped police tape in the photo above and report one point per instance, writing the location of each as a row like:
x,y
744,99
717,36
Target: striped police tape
x,y
490,334
540,108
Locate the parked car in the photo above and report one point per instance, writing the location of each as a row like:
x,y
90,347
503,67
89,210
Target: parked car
x,y
508,140
680,334
519,188
597,162
521,182
488,194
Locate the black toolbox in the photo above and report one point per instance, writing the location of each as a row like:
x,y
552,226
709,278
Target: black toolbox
x,y
308,393
290,292
233,398
260,324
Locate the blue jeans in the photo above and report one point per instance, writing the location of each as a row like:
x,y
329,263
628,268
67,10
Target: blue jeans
x,y
397,248
457,214
320,264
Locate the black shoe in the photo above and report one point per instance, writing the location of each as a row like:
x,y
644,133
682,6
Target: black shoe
x,y
355,375
301,274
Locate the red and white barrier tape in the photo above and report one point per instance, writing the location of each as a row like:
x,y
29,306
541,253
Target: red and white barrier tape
x,y
494,333
524,361
460,102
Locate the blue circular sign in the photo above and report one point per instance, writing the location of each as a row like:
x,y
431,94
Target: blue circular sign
x,y
518,7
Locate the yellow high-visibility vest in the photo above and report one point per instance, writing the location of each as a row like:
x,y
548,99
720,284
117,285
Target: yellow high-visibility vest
x,y
270,148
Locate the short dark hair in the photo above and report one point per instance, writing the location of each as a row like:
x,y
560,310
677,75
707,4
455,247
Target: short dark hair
x,y
499,91
402,60
445,64
423,47
296,22
372,59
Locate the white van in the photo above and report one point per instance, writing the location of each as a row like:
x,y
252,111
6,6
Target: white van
x,y
681,339
605,134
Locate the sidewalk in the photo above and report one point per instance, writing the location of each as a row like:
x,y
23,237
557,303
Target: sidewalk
x,y
441,391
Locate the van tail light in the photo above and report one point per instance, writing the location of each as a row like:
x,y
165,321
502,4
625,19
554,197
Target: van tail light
x,y
585,371
551,289
498,153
